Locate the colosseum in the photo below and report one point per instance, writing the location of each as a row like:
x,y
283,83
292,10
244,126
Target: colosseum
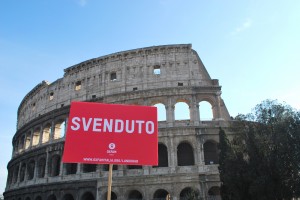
x,y
170,77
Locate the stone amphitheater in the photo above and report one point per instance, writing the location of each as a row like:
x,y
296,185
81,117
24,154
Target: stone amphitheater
x,y
169,77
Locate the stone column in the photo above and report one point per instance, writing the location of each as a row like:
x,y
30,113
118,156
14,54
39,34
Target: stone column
x,y
52,132
41,136
170,114
31,138
194,112
199,150
35,169
19,172
25,173
61,166
172,153
79,166
24,142
217,107
202,152
46,164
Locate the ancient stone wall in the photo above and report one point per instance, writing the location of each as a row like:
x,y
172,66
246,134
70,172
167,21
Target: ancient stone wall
x,y
163,76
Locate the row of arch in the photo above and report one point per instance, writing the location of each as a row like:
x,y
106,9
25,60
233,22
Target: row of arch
x,y
162,194
182,111
40,168
56,129
159,194
41,134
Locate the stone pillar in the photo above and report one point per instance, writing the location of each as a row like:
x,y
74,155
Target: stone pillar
x,y
170,115
24,142
19,172
172,153
79,168
121,169
31,138
199,150
217,107
41,136
98,168
35,169
61,167
52,132
194,113
25,173
146,170
47,164
202,152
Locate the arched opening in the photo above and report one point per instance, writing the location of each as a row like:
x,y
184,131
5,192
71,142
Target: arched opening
x,y
15,175
205,110
70,168
162,156
55,165
51,197
88,196
78,85
86,168
182,111
214,193
113,196
185,154
16,146
161,112
22,172
211,153
189,193
46,133
68,197
135,195
36,137
41,167
28,140
59,129
160,194
38,198
30,170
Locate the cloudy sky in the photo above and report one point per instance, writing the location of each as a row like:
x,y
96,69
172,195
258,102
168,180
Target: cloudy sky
x,y
252,47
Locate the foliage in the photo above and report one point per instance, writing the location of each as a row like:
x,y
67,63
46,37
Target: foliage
x,y
191,194
262,161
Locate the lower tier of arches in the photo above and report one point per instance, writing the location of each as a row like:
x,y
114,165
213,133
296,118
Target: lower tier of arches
x,y
173,188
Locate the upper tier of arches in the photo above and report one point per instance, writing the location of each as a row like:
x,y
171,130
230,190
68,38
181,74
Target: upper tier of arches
x,y
129,72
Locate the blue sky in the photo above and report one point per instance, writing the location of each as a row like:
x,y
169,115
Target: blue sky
x,y
252,47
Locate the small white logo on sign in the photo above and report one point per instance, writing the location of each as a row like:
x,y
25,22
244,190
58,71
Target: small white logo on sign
x,y
112,146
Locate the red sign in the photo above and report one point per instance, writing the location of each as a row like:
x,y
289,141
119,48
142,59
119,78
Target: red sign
x,y
111,134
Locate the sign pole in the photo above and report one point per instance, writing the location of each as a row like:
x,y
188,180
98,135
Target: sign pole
x,y
109,182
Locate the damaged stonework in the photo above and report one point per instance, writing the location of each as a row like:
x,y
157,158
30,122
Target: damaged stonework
x,y
171,77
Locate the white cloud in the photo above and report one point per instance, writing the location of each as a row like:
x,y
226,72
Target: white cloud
x,y
245,25
82,2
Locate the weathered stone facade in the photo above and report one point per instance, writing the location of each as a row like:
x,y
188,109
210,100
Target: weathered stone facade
x,y
159,75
